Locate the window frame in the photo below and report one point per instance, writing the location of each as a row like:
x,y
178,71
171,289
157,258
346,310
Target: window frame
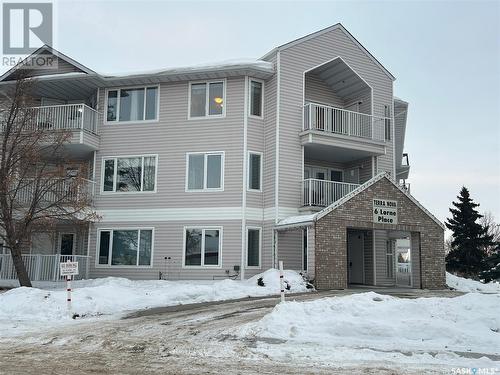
x,y
118,89
205,170
248,228
207,99
250,153
110,250
115,158
250,99
203,228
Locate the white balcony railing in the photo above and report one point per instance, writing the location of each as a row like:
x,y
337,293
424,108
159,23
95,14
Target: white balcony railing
x,y
323,193
65,189
43,267
340,121
65,117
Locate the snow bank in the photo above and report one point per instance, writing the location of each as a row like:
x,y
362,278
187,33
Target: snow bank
x,y
33,307
467,285
341,328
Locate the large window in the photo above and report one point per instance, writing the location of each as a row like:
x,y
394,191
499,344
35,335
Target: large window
x,y
206,99
253,247
256,98
202,247
254,171
205,171
125,247
132,104
129,174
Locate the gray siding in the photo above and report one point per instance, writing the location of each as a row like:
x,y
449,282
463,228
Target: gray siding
x,y
294,61
316,91
368,257
311,262
290,249
380,258
415,259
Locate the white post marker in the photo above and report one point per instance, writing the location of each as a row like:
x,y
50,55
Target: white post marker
x,y
282,284
68,269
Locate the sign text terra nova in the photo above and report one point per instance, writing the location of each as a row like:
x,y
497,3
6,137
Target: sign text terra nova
x,y
385,211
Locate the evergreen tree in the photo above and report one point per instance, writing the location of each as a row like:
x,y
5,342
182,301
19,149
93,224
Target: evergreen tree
x,y
470,239
492,266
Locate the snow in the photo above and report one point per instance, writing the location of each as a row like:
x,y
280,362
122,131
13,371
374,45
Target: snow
x,y
25,309
467,285
373,327
297,219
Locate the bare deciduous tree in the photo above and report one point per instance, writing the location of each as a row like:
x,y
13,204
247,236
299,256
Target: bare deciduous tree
x,y
35,189
488,220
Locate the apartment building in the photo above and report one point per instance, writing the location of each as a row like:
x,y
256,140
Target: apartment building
x,y
218,171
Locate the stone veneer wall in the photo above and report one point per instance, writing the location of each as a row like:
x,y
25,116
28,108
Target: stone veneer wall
x,y
331,231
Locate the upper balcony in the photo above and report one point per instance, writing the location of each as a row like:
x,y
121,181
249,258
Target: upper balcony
x,y
79,119
362,134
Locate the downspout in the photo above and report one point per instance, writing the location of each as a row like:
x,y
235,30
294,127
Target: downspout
x,y
277,157
244,185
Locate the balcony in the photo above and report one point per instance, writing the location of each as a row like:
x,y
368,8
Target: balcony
x,y
360,134
79,119
322,193
63,190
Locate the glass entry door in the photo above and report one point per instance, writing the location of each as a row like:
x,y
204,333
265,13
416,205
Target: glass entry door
x,y
403,262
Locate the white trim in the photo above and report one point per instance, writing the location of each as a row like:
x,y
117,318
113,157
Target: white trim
x,y
118,90
110,251
244,180
202,265
249,154
277,151
250,99
205,172
207,99
251,227
115,158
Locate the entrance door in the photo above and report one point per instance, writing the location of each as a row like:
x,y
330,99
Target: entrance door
x,y
403,262
355,245
67,242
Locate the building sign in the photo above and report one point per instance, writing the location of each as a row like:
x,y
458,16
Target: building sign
x,y
68,268
385,211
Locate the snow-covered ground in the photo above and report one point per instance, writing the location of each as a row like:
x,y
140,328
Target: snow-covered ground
x,y
455,332
467,285
27,309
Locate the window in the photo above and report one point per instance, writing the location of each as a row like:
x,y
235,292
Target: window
x,y
256,98
254,171
205,171
202,247
134,104
125,247
206,99
129,174
253,247
387,122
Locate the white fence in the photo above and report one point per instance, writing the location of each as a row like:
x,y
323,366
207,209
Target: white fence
x,y
341,121
65,117
60,189
323,193
43,267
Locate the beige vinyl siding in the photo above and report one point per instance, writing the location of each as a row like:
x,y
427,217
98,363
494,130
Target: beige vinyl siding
x,y
294,61
266,251
171,138
169,242
316,91
290,249
255,143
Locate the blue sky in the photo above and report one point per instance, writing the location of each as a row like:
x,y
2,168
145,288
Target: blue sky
x,y
445,55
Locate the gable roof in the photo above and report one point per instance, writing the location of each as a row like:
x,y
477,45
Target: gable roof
x,y
338,26
297,221
45,49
